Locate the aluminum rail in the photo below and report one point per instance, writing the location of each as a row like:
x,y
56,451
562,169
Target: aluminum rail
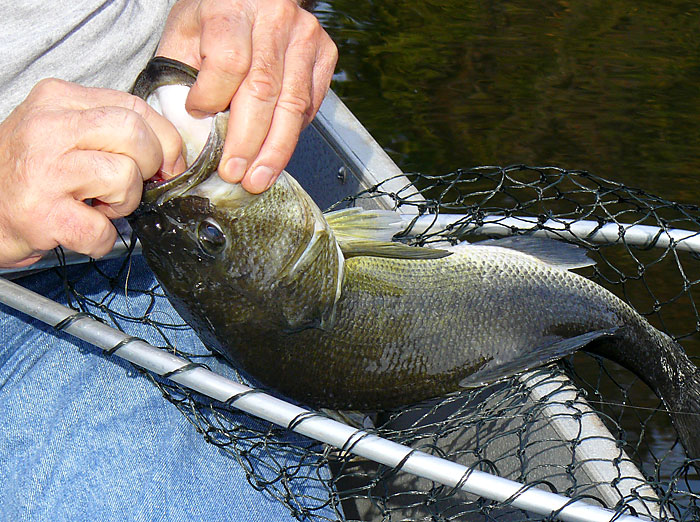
x,y
642,236
302,421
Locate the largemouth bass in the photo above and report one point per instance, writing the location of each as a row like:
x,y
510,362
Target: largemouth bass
x,y
328,311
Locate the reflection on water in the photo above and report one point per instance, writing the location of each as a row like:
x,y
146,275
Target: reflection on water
x,y
610,87
606,86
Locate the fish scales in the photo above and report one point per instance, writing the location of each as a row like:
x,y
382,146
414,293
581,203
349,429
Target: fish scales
x,y
397,340
325,310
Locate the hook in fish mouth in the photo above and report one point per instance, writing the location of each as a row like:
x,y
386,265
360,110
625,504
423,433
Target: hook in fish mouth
x,y
164,85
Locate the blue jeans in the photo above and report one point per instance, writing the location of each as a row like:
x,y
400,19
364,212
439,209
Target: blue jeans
x,y
86,437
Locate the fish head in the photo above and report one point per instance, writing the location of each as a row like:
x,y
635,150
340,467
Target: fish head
x,y
264,261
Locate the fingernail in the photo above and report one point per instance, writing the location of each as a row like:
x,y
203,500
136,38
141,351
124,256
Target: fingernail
x,y
261,179
196,113
178,168
234,169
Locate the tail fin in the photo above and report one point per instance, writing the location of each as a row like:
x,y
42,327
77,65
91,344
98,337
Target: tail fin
x,y
685,413
662,363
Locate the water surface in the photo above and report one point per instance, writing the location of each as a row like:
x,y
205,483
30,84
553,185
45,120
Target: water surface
x,y
611,87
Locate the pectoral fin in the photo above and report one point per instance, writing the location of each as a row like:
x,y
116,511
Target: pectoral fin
x,y
494,370
357,223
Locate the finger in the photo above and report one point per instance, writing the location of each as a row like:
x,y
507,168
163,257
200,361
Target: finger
x,y
253,105
77,97
168,136
15,252
119,131
326,60
83,229
225,48
112,181
181,34
8,259
287,121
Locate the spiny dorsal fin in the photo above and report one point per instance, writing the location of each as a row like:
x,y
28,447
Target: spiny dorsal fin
x,y
362,232
550,251
357,223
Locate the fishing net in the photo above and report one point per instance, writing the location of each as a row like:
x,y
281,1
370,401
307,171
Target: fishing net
x,y
538,428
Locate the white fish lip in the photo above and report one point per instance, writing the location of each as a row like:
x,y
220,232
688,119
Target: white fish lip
x,y
207,163
176,78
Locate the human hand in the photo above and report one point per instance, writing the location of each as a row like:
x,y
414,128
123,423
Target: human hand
x,y
269,61
71,158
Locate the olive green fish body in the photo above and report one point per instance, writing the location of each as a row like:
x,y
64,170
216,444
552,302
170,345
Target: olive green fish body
x,y
364,332
328,312
408,330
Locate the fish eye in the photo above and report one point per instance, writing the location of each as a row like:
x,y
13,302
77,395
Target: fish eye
x,y
211,238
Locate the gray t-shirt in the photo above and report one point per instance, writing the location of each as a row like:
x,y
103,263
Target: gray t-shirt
x,y
97,43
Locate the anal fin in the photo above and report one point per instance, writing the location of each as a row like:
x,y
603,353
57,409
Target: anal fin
x,y
494,370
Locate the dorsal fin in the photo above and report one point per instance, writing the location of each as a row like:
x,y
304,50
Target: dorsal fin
x,y
362,232
356,223
550,251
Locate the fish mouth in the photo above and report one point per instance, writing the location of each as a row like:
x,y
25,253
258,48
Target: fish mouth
x,y
164,85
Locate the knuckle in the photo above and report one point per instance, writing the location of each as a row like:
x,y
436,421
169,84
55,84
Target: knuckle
x,y
78,234
282,12
123,208
295,101
104,237
95,237
229,62
132,122
331,49
79,120
127,181
49,87
32,125
42,129
328,51
138,106
134,128
309,26
129,195
262,84
279,152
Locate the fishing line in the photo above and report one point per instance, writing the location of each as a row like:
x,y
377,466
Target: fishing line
x,y
641,408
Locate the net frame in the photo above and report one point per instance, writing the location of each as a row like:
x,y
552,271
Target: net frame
x,y
543,200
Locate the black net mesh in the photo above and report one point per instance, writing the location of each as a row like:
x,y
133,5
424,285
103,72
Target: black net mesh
x,y
539,428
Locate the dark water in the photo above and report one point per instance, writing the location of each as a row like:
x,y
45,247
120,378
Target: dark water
x,y
610,87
